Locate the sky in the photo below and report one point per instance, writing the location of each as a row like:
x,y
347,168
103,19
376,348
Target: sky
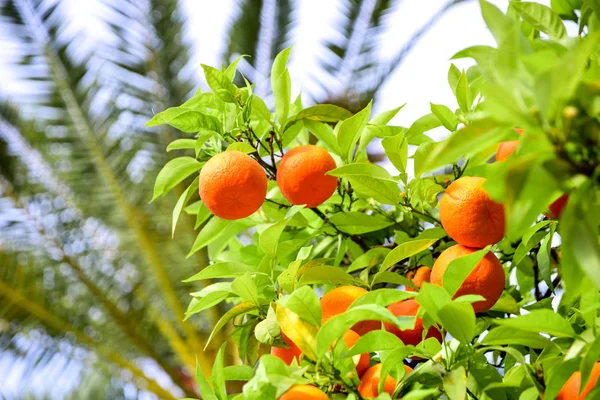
x,y
421,79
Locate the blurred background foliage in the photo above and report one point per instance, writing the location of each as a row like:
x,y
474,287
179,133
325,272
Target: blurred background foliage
x,y
91,297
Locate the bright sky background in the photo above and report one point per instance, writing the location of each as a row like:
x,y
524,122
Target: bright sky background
x,y
419,80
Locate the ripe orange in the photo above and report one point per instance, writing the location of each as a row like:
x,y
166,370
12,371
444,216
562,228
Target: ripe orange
x,y
350,338
287,354
232,185
505,149
337,302
410,336
301,175
422,274
570,390
487,279
469,215
304,392
369,383
557,207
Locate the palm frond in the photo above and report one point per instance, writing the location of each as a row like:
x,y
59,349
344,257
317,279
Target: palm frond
x,y
259,30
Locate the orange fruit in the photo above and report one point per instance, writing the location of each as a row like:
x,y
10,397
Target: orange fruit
x,y
301,175
285,353
422,274
469,215
505,149
350,338
410,336
570,390
557,207
337,302
486,279
369,382
232,185
304,392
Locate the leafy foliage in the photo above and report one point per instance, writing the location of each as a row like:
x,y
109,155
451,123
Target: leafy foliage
x,y
379,226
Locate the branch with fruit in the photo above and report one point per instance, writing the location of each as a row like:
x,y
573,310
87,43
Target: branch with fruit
x,y
310,243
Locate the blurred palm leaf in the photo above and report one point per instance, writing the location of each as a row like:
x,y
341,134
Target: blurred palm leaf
x,y
79,245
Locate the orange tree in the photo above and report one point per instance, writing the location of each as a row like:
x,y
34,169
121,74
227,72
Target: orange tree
x,y
467,278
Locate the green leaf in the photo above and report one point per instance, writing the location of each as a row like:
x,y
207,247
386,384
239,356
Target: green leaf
x,y
231,69
236,310
241,146
433,298
326,275
498,23
238,373
183,200
556,87
455,384
324,133
282,93
540,321
382,297
378,340
221,270
544,257
335,327
209,233
350,130
203,386
305,303
508,335
565,9
280,82
324,113
203,303
218,374
391,277
409,248
260,109
459,269
386,116
463,94
220,84
463,143
370,180
475,52
541,18
357,223
453,76
186,120
369,259
245,287
175,171
579,232
181,144
458,319
396,148
445,115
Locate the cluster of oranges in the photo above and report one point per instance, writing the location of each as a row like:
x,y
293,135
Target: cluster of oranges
x,y
233,185
335,302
